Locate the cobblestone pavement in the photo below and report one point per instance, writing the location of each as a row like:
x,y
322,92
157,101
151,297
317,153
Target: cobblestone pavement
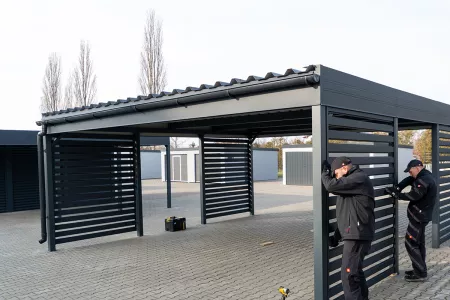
x,y
222,260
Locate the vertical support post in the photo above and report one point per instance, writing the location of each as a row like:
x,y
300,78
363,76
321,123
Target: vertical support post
x,y
320,202
251,189
396,208
168,177
138,185
435,229
41,176
49,198
9,181
202,180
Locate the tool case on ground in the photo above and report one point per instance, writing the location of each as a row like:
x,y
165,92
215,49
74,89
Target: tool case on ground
x,y
175,224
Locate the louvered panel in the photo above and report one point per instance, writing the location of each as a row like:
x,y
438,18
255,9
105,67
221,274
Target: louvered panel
x,y
227,169
25,178
94,187
2,182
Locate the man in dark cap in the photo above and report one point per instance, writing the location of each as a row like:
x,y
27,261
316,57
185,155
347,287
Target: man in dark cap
x,y
422,198
355,219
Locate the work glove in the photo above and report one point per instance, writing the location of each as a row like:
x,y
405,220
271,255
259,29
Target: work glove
x,y
326,167
333,241
391,191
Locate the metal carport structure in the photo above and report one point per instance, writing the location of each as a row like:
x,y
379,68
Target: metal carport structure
x,y
98,143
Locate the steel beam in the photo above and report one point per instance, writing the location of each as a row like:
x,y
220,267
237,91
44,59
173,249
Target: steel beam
x,y
435,229
168,178
49,197
138,186
320,203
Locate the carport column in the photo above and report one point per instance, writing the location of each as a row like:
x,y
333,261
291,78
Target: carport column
x,y
320,202
435,239
49,198
168,178
202,180
138,185
9,181
396,213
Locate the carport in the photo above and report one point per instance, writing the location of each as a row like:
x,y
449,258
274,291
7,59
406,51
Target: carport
x,y
91,157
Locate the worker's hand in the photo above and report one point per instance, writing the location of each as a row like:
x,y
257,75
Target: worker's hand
x,y
326,167
333,242
391,191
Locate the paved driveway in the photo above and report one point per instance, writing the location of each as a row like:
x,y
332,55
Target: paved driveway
x,y
222,260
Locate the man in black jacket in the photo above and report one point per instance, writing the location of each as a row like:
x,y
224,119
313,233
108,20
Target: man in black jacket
x,y
356,221
422,198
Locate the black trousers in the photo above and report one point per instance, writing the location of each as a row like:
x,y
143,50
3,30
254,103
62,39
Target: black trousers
x,y
352,275
415,246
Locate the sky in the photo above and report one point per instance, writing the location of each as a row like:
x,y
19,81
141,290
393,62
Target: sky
x,y
403,44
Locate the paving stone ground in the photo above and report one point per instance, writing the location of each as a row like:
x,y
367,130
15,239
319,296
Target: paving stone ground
x,y
222,260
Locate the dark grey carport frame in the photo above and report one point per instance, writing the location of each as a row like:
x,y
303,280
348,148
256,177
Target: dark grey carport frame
x,y
303,99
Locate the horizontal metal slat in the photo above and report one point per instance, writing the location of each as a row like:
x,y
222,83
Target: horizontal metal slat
x,y
444,180
370,160
443,143
384,202
94,235
82,163
443,239
209,201
444,202
88,190
80,177
444,131
332,200
384,212
94,228
94,156
383,233
226,189
355,136
444,165
444,173
445,193
73,211
227,208
226,155
65,219
209,216
444,210
221,173
384,223
379,256
382,181
341,122
223,145
224,160
212,194
444,158
208,140
120,196
231,202
83,183
378,171
355,148
444,150
233,166
226,179
93,143
229,184
230,151
90,202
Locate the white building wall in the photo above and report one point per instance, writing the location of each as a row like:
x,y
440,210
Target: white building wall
x,y
190,163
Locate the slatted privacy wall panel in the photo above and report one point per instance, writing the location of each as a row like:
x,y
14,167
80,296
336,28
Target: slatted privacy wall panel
x,y
227,183
444,183
3,196
94,186
25,178
369,141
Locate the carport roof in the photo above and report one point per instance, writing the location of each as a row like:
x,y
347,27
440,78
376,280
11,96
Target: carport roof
x,y
281,98
18,138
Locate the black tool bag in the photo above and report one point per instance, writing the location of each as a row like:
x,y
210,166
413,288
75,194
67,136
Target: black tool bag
x,y
175,224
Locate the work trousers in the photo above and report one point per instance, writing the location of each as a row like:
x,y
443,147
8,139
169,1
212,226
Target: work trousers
x,y
415,246
352,274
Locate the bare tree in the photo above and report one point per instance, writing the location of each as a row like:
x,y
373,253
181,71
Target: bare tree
x,y
84,80
68,94
176,142
51,89
152,79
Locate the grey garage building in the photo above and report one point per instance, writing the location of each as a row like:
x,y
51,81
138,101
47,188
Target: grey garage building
x,y
186,165
19,183
227,117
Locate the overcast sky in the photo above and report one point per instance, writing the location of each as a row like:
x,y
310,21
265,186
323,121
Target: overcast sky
x,y
403,44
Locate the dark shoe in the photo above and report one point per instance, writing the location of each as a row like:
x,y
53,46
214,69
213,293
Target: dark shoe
x,y
409,272
415,278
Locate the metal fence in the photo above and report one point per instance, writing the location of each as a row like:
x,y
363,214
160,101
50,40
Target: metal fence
x,y
226,177
370,141
93,188
443,204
